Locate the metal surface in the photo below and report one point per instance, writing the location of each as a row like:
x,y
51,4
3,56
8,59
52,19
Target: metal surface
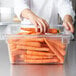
x,y
7,23
68,69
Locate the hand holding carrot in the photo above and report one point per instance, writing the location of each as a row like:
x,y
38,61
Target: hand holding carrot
x,y
36,20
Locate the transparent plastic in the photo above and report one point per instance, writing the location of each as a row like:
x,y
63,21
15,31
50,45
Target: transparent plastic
x,y
37,49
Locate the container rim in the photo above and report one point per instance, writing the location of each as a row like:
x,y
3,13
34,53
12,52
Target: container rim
x,y
46,35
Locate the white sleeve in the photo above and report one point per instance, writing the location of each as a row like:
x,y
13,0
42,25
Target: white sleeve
x,y
65,8
19,6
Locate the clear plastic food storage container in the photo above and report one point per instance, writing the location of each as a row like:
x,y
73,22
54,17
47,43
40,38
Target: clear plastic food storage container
x,y
25,48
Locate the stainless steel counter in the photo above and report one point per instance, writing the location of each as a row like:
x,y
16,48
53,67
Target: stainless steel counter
x,y
68,69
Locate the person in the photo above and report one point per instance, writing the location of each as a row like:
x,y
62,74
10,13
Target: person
x,y
44,13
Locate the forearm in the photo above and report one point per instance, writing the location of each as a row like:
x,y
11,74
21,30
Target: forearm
x,y
19,6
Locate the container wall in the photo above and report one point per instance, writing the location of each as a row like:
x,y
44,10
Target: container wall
x,y
37,50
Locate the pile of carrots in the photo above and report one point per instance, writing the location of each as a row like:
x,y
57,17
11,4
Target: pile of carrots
x,y
36,50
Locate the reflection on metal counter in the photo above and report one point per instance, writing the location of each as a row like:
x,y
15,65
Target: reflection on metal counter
x,y
37,70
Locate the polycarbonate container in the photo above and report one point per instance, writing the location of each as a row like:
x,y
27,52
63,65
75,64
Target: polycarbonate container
x,y
37,49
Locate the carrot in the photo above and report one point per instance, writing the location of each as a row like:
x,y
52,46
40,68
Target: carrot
x,y
13,59
61,50
18,52
54,31
36,33
33,44
16,59
12,46
28,29
59,56
57,43
37,57
39,53
32,48
32,39
12,40
43,44
41,61
24,33
13,49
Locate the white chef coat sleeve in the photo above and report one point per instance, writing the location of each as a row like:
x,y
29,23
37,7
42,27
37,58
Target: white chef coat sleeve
x,y
65,8
19,6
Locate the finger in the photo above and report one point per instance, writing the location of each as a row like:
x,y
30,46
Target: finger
x,y
47,25
44,26
41,27
36,25
71,27
66,26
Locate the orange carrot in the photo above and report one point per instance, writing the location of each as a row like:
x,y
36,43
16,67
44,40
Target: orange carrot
x,y
13,49
24,33
37,57
13,59
12,46
61,50
12,40
54,51
39,53
54,31
32,48
57,43
28,29
41,61
32,39
18,52
36,33
33,44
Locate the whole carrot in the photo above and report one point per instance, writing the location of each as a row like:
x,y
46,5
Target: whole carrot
x,y
32,44
32,39
39,53
32,48
37,57
41,61
28,29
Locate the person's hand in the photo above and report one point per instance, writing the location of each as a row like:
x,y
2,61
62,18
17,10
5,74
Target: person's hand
x,y
68,23
37,21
